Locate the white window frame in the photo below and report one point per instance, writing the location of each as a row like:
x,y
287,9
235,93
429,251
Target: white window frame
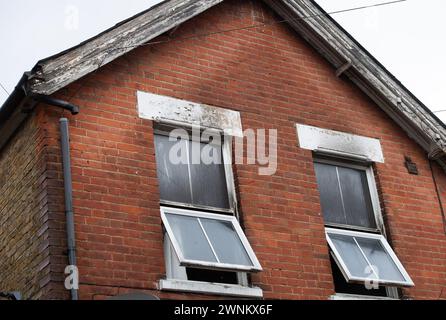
x,y
256,267
226,149
176,275
175,113
347,296
360,163
345,270
374,196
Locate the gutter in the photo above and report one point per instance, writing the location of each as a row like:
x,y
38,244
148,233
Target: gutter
x,y
54,102
20,103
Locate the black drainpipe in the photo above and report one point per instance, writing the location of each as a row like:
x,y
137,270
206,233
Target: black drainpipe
x,y
71,243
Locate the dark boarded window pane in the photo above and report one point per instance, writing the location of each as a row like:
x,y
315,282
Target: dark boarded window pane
x,y
190,238
208,179
173,179
226,242
331,201
356,196
211,276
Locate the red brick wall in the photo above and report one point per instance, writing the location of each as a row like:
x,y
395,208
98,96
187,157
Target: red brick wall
x,y
275,80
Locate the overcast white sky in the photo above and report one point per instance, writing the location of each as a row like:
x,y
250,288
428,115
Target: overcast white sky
x,y
408,38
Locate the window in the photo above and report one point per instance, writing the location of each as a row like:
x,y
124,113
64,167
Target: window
x,y
366,257
345,196
354,228
197,184
209,240
204,243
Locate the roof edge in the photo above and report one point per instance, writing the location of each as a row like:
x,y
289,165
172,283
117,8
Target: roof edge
x,y
350,59
53,73
321,31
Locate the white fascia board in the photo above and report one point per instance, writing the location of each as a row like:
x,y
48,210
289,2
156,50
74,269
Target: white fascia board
x,y
339,143
166,109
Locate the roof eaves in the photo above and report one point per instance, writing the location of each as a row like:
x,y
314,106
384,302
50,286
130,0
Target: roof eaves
x,y
11,115
377,62
51,74
321,31
340,49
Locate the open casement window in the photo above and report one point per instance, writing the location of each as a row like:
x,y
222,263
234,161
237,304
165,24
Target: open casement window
x,y
365,257
210,241
205,248
355,230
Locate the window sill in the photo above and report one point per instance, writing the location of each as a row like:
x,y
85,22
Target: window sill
x,y
210,288
345,296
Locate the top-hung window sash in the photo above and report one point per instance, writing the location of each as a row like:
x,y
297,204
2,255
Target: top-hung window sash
x,y
213,241
365,257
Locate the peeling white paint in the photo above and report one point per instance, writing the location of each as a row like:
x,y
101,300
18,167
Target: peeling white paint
x,y
161,108
339,143
210,288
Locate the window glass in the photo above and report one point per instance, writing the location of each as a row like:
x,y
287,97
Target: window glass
x,y
356,197
351,255
364,257
380,259
209,238
345,196
226,243
208,179
330,193
173,178
190,238
188,182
